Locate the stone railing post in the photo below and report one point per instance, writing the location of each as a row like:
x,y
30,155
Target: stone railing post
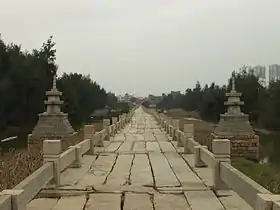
x,y
221,150
169,121
106,124
78,157
89,131
114,120
17,202
188,134
175,124
267,202
121,121
197,160
98,138
51,152
180,138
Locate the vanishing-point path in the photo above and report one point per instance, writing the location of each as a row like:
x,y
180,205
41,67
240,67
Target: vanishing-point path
x,y
140,168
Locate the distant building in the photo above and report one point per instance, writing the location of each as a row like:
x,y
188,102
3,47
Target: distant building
x,y
260,72
274,72
154,99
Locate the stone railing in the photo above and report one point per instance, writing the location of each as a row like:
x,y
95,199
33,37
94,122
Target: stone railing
x,y
56,161
225,176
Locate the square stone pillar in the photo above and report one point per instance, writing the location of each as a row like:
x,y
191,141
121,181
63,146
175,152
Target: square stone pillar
x,y
114,120
89,131
106,124
221,151
51,152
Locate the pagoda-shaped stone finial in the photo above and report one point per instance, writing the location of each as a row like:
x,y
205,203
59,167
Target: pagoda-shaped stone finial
x,y
235,126
53,103
54,82
53,122
233,104
234,121
233,84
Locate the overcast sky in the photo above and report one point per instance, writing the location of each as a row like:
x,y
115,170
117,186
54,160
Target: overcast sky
x,y
148,46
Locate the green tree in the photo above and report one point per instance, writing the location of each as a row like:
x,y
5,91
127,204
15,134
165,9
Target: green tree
x,y
81,97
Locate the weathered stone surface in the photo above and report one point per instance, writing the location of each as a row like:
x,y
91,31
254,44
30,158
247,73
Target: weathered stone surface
x,y
141,173
166,146
139,147
126,146
71,176
153,147
121,171
231,200
183,172
76,202
137,202
104,202
98,171
164,176
199,200
170,202
113,146
42,204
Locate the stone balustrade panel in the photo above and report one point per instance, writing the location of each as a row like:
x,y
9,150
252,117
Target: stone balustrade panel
x,y
67,158
85,146
5,202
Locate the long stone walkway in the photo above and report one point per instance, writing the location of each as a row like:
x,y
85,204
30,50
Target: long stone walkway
x,y
139,168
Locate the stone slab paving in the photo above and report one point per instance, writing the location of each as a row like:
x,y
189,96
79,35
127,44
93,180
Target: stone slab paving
x,y
138,168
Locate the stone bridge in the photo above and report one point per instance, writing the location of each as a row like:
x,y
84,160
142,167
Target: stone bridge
x,y
139,162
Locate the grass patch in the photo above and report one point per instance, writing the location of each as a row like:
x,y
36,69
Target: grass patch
x,y
266,175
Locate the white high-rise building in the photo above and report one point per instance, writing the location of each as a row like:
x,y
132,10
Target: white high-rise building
x,y
260,72
274,72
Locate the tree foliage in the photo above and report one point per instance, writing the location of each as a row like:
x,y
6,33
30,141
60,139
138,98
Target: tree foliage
x,y
24,79
261,103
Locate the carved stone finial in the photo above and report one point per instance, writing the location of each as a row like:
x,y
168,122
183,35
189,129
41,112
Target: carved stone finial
x,y
54,82
233,83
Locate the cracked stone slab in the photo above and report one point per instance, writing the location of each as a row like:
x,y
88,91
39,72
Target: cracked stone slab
x,y
205,174
170,202
124,188
137,202
75,202
42,204
183,172
141,173
163,174
232,201
57,193
126,147
166,146
99,171
199,200
103,201
113,146
153,147
139,147
121,171
72,175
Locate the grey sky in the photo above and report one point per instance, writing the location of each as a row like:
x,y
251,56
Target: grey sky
x,y
148,46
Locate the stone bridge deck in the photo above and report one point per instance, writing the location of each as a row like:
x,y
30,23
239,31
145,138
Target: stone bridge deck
x,y
140,168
